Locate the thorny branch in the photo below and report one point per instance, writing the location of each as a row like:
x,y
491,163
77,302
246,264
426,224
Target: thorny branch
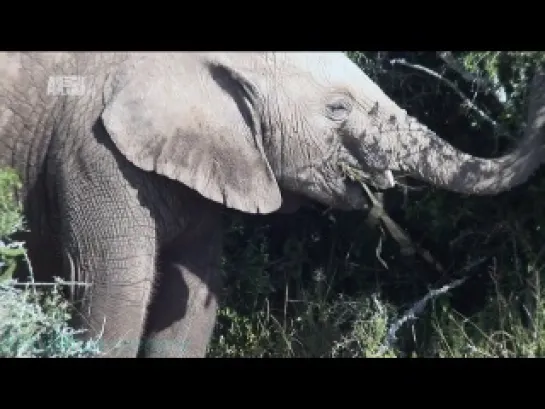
x,y
466,100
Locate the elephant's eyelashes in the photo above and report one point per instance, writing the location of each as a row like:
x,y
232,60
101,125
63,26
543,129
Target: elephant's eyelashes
x,y
338,108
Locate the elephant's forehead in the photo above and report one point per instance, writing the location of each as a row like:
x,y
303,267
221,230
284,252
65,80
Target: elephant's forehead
x,y
331,68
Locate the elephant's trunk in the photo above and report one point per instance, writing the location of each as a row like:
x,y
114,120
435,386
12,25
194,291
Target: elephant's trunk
x,y
439,163
416,150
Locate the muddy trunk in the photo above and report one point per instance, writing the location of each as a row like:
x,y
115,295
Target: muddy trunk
x,y
422,154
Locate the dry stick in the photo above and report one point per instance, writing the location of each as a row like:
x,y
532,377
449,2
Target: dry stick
x,y
418,307
408,247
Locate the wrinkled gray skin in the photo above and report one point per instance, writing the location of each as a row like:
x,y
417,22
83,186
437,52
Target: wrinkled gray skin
x,y
123,186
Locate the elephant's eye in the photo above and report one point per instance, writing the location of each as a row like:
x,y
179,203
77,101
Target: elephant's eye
x,y
338,108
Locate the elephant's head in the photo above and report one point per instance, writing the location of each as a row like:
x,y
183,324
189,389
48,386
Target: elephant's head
x,y
242,128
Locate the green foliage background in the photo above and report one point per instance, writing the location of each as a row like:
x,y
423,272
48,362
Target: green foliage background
x,y
310,284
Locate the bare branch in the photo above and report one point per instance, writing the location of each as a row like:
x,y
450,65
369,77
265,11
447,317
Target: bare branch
x,y
455,65
418,308
466,100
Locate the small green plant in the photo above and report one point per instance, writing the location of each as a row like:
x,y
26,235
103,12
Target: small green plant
x,y
33,321
34,325
11,222
10,210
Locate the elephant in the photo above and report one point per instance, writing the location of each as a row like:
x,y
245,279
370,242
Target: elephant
x,y
128,160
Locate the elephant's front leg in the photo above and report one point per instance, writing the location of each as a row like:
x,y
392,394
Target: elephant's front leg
x,y
182,313
110,242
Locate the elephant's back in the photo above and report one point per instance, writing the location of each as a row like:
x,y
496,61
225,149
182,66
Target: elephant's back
x,y
19,70
10,64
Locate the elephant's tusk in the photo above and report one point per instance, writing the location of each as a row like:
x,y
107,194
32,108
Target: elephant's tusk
x,y
390,178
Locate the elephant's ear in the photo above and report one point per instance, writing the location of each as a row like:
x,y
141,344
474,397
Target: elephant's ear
x,y
197,121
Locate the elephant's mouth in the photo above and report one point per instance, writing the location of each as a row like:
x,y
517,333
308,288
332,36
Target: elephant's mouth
x,y
380,179
358,180
353,166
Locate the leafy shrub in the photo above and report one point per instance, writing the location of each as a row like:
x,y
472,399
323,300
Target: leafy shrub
x,y
33,321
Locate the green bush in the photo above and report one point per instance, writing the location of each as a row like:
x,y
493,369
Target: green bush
x,y
33,320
